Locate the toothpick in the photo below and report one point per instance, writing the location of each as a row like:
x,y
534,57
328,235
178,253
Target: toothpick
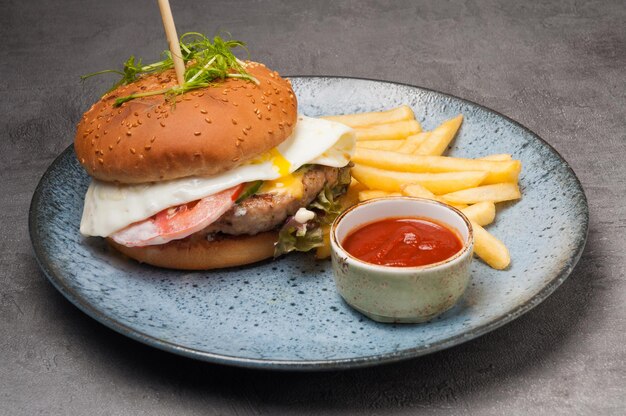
x,y
172,40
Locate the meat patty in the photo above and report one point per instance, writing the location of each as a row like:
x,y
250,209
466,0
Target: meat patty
x,y
264,212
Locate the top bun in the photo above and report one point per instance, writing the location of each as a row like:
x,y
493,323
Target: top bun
x,y
205,132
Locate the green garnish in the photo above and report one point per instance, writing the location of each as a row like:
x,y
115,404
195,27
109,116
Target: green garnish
x,y
205,62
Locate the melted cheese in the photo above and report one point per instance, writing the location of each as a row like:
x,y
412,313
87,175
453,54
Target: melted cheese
x,y
110,207
291,184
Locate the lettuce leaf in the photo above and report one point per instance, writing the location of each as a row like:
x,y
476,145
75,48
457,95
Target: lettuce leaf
x,y
295,236
326,205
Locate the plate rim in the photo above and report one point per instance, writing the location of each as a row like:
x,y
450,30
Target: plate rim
x,y
314,365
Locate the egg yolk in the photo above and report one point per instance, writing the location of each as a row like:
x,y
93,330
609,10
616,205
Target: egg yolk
x,y
279,162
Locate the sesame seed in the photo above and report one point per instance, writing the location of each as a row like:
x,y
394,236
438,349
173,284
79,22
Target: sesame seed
x,y
197,133
208,120
248,127
149,115
244,132
235,159
252,100
132,150
152,139
101,160
147,147
110,147
128,133
118,139
162,124
234,121
82,160
270,131
136,114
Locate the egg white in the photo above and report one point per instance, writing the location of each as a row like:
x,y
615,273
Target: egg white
x,y
110,207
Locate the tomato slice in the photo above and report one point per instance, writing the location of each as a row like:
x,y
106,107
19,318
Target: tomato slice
x,y
178,222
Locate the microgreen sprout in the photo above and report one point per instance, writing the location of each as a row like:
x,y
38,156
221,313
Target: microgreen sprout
x,y
206,62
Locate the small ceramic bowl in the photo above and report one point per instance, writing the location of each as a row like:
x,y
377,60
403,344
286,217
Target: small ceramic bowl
x,y
401,294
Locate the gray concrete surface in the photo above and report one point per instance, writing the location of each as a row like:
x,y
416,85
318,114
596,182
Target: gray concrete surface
x,y
555,66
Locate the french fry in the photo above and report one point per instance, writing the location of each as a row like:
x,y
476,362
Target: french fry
x,y
392,145
504,157
482,213
375,193
491,250
417,190
323,251
441,137
412,143
401,113
384,159
390,131
495,193
437,183
457,206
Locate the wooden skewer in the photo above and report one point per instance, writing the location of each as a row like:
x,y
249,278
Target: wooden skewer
x,y
172,40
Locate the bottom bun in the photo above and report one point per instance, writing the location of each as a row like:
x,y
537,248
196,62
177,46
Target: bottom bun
x,y
201,254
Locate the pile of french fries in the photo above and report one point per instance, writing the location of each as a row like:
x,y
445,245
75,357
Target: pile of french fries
x,y
395,157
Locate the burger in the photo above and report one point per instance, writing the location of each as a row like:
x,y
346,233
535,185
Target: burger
x,y
223,174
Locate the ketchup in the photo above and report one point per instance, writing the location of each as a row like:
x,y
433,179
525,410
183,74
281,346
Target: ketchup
x,y
402,242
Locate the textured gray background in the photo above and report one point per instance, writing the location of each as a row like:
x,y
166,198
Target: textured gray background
x,y
557,67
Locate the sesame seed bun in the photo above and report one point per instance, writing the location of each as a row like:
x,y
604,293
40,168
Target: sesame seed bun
x,y
206,131
201,254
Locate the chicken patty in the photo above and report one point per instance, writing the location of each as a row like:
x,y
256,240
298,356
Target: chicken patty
x,y
264,212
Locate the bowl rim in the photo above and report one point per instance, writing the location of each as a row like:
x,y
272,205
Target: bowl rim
x,y
468,244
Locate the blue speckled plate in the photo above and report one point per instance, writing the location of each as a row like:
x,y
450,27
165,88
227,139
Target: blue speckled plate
x,y
286,314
